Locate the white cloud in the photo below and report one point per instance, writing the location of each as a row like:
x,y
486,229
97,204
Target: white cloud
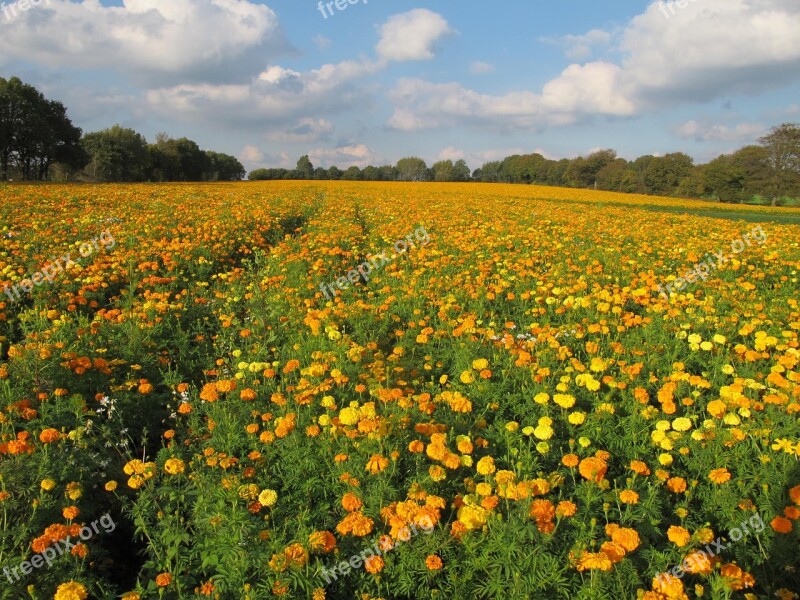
x,y
479,67
579,47
321,42
412,35
708,132
152,40
707,50
275,96
579,92
306,130
359,155
251,154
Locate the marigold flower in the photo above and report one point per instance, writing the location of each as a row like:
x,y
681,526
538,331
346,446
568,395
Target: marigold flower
x,y
565,508
163,579
719,476
174,466
570,460
374,564
377,463
71,590
629,497
678,535
486,466
351,502
433,562
593,468
49,435
781,525
70,512
268,497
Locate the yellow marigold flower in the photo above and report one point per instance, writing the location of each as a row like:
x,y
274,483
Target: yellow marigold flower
x,y
174,466
479,364
437,473
564,400
74,490
486,466
48,484
483,489
543,432
467,377
349,416
71,590
268,497
541,398
665,459
678,536
681,424
577,418
111,486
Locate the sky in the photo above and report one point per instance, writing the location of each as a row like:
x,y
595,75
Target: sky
x,y
376,80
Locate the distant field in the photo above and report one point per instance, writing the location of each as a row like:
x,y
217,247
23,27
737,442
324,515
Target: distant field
x,y
398,391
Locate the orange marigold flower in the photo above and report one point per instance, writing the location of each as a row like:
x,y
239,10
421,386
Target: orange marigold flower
x,y
247,394
626,537
593,468
70,512
322,541
433,562
676,485
566,508
781,525
678,535
719,475
351,502
377,463
594,561
794,494
374,564
416,447
629,497
640,468
163,579
49,435
570,460
80,551
209,393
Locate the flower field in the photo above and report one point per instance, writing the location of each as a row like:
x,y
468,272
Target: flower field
x,y
507,410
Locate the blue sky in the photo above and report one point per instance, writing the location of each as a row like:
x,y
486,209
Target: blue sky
x,y
271,80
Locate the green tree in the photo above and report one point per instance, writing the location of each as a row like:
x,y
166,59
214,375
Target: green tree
x,y
35,133
461,171
783,160
223,167
443,170
412,169
352,174
305,170
116,154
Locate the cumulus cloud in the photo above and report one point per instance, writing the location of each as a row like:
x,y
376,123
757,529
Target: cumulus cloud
x,y
305,130
412,35
272,97
152,40
579,92
481,68
579,47
359,155
705,51
708,132
251,155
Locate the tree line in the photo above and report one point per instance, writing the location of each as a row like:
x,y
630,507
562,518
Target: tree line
x,y
770,169
38,142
